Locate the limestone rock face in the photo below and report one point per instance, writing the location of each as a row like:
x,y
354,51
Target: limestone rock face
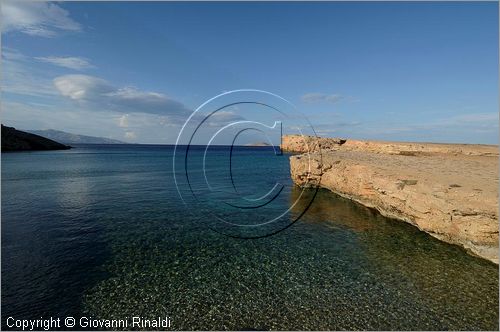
x,y
303,144
449,192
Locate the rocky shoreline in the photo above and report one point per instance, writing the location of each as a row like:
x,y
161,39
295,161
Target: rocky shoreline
x,y
449,191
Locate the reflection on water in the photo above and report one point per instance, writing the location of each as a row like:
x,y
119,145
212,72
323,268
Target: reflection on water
x,y
74,195
107,236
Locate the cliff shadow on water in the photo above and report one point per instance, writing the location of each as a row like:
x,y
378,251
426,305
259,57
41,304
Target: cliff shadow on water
x,y
422,268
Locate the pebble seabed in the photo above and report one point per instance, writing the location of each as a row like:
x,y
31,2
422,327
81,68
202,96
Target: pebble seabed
x,y
343,267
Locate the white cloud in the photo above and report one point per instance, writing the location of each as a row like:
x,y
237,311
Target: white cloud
x,y
77,63
123,121
315,97
36,18
82,87
130,135
102,95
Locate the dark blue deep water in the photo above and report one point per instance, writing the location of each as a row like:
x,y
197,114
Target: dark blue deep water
x,y
101,231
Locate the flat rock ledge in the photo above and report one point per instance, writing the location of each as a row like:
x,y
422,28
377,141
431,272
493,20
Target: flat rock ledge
x,y
449,192
304,144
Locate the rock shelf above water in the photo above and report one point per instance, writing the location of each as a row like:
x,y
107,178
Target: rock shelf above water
x,y
447,190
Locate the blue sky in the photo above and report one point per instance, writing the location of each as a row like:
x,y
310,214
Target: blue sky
x,y
418,71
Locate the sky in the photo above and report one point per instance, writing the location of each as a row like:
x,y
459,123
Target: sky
x,y
419,71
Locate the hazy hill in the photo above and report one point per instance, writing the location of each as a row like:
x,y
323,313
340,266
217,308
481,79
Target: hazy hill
x,y
258,144
69,138
16,140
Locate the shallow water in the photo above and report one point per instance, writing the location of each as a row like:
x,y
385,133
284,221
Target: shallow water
x,y
101,231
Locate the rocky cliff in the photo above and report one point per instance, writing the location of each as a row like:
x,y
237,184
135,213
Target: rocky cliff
x,y
447,190
16,140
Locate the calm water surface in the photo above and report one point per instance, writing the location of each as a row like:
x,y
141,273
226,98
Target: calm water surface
x,y
101,231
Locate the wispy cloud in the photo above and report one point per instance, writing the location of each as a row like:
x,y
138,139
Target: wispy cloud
x,y
103,95
471,122
224,117
335,127
77,63
37,116
486,118
484,126
22,76
36,18
314,97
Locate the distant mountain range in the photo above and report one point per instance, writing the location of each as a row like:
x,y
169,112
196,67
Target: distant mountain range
x,y
69,138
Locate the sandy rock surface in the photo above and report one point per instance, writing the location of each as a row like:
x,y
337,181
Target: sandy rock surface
x,y
447,190
303,144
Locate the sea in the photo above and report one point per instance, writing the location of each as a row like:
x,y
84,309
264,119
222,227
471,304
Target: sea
x,y
218,238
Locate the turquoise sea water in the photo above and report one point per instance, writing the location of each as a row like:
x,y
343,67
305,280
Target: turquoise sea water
x,y
100,231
